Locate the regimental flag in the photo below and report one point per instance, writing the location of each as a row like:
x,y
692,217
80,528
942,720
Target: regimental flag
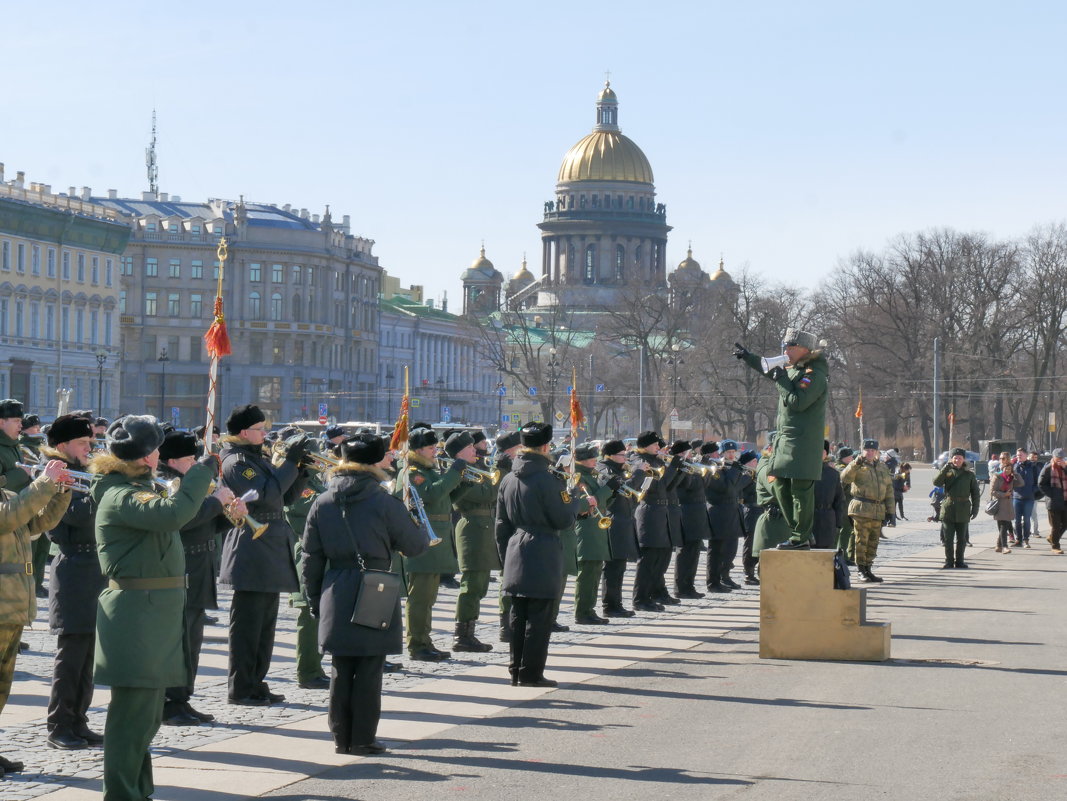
x,y
577,418
400,431
859,407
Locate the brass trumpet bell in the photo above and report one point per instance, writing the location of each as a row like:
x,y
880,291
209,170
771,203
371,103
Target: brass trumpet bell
x,y
257,528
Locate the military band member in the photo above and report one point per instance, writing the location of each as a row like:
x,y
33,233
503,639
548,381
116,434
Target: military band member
x,y
751,511
724,489
872,502
423,572
830,506
802,389
622,536
695,530
355,525
846,537
140,648
72,592
24,516
960,506
258,569
11,415
532,508
177,455
31,437
475,545
593,548
654,536
507,445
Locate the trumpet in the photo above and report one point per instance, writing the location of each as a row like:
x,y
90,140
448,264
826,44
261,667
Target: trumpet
x,y
169,487
230,511
635,495
559,472
418,513
474,475
698,469
30,457
320,462
80,483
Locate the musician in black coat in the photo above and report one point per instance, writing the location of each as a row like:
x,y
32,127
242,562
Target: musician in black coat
x,y
750,514
355,521
830,507
622,536
533,506
724,488
695,531
76,582
176,455
655,537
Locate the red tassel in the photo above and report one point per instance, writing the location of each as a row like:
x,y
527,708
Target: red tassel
x,y
217,340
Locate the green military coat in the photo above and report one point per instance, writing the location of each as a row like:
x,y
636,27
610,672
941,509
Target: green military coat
x,y
870,487
801,418
962,496
140,633
771,528
17,478
435,490
593,542
475,539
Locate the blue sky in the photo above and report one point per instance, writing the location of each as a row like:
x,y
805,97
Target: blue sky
x,y
782,135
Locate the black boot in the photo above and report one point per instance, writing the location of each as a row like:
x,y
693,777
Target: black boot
x,y
751,580
466,642
505,627
869,576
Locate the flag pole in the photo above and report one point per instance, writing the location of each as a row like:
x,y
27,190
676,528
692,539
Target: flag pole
x,y
859,415
217,343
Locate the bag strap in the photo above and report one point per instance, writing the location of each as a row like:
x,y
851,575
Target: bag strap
x,y
352,537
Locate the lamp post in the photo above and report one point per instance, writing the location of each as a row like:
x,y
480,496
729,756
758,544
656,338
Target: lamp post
x,y
163,359
554,366
674,361
440,397
389,377
101,357
499,403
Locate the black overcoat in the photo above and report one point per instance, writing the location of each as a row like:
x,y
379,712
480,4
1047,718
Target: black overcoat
x,y
355,515
533,506
198,542
723,493
830,507
622,536
653,517
695,525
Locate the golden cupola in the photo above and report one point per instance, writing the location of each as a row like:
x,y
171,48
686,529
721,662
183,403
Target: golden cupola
x,y
605,154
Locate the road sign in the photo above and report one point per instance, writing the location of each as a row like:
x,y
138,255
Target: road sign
x,y
559,417
175,415
501,390
323,411
674,417
682,424
504,426
533,390
504,418
569,390
446,414
516,419
1052,422
415,403
599,387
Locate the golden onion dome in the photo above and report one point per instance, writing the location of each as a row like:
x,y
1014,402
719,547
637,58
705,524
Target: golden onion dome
x,y
721,274
481,269
689,263
522,275
605,154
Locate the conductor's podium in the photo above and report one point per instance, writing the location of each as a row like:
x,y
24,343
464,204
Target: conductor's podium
x,y
802,616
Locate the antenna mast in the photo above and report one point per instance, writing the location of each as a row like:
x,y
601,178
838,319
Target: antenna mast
x,y
150,160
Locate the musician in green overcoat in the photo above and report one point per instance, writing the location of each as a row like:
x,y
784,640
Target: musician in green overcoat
x,y
593,548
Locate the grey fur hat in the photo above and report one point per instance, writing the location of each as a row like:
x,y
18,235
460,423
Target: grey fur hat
x,y
794,336
134,436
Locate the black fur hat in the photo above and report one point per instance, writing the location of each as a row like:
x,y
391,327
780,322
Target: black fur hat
x,y
10,408
534,435
134,436
177,444
421,438
507,440
457,442
646,438
363,448
244,417
67,427
611,447
679,446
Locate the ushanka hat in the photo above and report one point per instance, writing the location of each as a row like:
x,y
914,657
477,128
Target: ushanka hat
x,y
30,420
457,442
334,431
794,336
727,445
611,447
178,444
583,452
67,427
747,456
478,436
507,440
679,446
10,408
421,438
646,438
134,436
244,417
363,448
870,444
963,453
844,453
709,447
534,435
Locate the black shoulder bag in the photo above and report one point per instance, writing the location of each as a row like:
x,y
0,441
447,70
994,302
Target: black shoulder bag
x,y
378,593
842,579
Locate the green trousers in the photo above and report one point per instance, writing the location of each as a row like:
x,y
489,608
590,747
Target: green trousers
x,y
133,718
846,539
796,498
954,537
9,649
473,586
867,532
418,611
586,587
308,658
41,546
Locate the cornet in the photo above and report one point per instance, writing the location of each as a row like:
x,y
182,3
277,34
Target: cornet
x,y
698,469
80,483
257,528
320,462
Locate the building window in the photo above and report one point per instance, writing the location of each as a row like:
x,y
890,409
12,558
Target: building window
x,y
595,200
5,255
151,268
277,274
150,304
35,320
64,322
276,306
296,308
196,345
277,355
173,309
94,270
108,268
81,268
122,301
253,305
150,226
311,276
198,268
127,265
18,318
49,321
175,268
298,351
79,325
255,350
20,258
620,262
589,273
255,272
107,328
215,271
173,228
297,274
3,317
35,260
66,265
196,306
94,322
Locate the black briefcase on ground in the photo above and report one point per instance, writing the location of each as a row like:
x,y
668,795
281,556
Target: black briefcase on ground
x,y
376,601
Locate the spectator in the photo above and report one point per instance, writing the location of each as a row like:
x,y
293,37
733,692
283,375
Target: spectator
x,y
901,484
1025,495
1002,487
1051,482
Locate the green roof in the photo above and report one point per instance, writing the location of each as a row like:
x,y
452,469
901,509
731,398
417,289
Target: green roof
x,y
402,305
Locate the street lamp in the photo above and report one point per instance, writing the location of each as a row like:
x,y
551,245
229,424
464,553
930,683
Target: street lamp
x,y
101,357
674,361
163,359
554,366
389,376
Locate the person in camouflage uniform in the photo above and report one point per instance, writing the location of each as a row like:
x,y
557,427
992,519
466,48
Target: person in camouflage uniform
x,y
871,488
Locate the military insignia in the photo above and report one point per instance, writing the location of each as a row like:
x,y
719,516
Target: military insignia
x,y
805,382
566,496
144,497
418,479
307,493
249,473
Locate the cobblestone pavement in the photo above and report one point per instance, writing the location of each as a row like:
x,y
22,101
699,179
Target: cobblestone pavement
x,y
48,770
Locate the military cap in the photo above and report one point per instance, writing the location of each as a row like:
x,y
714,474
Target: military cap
x,y
709,447
421,438
457,442
67,427
177,444
963,453
334,431
747,456
30,420
694,444
534,435
134,436
727,445
844,453
583,452
244,417
611,447
679,446
870,444
10,408
507,440
363,448
646,438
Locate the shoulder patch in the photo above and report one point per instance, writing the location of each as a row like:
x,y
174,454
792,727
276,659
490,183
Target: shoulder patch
x,y
418,479
307,493
805,381
566,496
249,472
145,496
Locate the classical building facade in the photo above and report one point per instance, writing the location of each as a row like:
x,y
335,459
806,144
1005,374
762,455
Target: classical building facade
x,y
59,298
301,303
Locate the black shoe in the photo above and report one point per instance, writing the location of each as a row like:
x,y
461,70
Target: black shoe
x,y
689,594
249,700
539,683
181,718
90,736
449,582
275,698
505,633
559,628
41,592
617,611
794,545
210,620
428,655
729,582
591,620
752,581
718,588
317,683
949,564
666,600
203,717
962,564
392,667
11,765
23,647
64,740
647,606
441,655
370,748
869,577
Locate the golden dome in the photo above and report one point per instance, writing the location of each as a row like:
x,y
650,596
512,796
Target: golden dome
x,y
689,263
481,269
607,94
523,275
721,274
605,156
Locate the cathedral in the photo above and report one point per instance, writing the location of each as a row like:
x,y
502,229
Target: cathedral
x,y
603,235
